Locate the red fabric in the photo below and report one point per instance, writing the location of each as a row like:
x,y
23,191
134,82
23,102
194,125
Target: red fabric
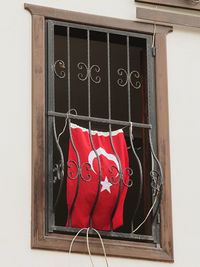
x,y
88,189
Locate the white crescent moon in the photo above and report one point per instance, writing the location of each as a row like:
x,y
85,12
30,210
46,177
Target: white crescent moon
x,y
101,151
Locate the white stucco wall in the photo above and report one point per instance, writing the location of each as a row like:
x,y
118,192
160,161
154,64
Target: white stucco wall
x,y
15,137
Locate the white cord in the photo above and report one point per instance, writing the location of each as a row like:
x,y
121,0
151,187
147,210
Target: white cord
x,y
149,212
154,35
102,244
74,238
66,120
88,245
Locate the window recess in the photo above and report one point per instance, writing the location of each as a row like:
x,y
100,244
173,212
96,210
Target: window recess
x,y
90,86
103,75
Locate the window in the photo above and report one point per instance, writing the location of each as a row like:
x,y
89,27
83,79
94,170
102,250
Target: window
x,y
190,4
75,70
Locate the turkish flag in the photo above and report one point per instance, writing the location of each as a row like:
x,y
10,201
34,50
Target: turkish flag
x,y
82,189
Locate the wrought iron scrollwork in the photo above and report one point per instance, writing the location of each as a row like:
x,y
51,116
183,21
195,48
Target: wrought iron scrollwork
x,y
132,78
86,176
88,74
59,168
84,171
129,172
157,179
156,172
141,179
72,175
58,172
59,65
155,182
115,175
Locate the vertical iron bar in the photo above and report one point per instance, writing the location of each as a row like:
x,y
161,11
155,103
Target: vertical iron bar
x,y
109,89
120,175
99,176
131,134
79,173
62,164
51,106
69,102
131,137
90,135
88,72
54,123
128,74
161,174
151,107
70,133
68,69
110,134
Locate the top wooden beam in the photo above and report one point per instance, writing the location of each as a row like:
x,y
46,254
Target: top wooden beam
x,y
173,3
106,22
170,18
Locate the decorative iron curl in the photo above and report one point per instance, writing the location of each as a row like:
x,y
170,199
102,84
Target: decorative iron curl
x,y
129,78
156,172
59,172
61,74
82,76
88,168
88,72
155,182
157,179
78,170
129,173
71,164
96,79
115,175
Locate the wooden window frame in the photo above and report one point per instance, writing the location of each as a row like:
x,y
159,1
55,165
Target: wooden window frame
x,y
173,3
52,241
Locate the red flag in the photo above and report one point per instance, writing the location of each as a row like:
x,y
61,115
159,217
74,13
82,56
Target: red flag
x,y
87,188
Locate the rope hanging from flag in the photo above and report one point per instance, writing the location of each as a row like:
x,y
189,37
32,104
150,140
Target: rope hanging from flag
x,y
88,245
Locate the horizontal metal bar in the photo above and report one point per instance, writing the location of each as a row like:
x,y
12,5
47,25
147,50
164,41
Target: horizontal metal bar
x,y
100,29
101,120
106,234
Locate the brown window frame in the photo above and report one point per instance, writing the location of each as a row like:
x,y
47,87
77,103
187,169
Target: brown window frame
x,y
53,241
173,3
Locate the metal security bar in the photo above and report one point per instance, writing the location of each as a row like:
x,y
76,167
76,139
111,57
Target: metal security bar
x,y
90,74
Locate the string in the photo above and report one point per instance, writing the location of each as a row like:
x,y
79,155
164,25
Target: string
x,y
102,244
154,32
154,35
74,238
88,245
156,197
66,120
147,216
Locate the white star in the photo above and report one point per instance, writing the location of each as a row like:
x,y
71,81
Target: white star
x,y
106,185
